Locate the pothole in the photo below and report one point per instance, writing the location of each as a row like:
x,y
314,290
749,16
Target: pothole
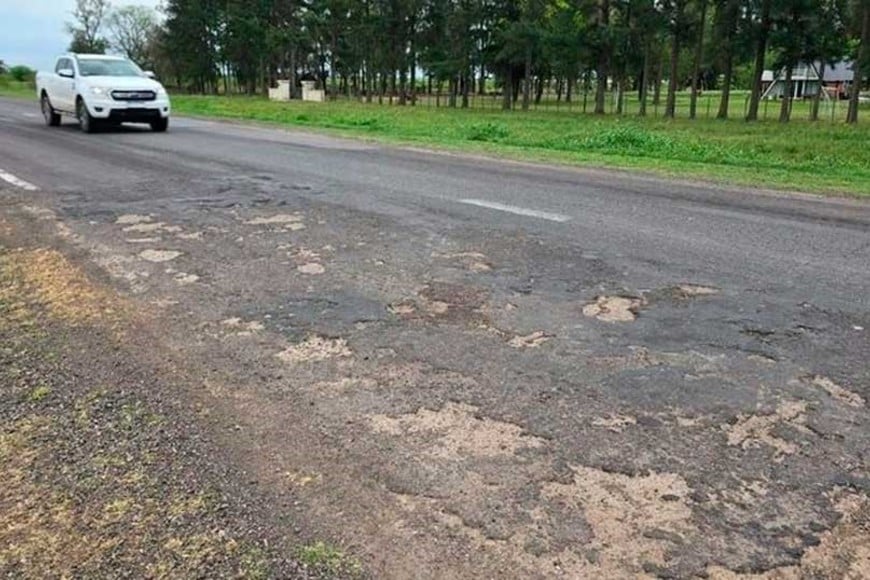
x,y
443,298
754,430
150,228
316,348
635,520
311,269
614,422
132,218
685,291
456,432
282,219
403,309
158,256
614,308
837,392
242,327
533,340
473,261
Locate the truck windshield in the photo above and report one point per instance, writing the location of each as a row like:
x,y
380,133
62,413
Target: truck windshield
x,y
109,67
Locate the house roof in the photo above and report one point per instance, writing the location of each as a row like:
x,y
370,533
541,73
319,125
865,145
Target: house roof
x,y
839,72
834,73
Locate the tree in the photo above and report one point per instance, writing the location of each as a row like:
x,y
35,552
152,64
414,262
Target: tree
x,y
861,65
131,30
3,68
191,36
676,13
762,33
726,31
86,29
699,55
604,50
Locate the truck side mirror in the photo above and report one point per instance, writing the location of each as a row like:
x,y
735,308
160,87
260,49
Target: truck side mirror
x,y
150,74
67,73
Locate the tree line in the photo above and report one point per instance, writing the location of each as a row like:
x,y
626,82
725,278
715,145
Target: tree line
x,y
372,49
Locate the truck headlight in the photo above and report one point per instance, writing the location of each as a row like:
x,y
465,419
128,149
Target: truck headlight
x,y
98,91
161,92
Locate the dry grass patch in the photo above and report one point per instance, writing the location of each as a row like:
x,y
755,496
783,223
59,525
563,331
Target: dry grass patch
x,y
43,277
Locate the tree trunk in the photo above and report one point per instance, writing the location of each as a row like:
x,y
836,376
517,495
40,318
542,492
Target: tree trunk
x,y
586,83
527,83
760,50
333,89
413,76
508,87
858,66
569,90
620,90
603,60
727,76
785,108
696,65
671,103
467,78
657,87
481,82
539,90
817,98
644,82
403,86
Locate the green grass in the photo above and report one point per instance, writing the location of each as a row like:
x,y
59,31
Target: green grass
x,y
821,157
324,558
17,89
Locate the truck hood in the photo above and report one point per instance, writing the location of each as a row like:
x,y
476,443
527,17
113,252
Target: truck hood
x,y
129,83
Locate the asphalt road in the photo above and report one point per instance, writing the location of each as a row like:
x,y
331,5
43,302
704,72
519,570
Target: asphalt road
x,y
461,367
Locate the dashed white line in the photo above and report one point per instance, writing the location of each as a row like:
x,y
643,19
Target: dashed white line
x,y
9,178
544,215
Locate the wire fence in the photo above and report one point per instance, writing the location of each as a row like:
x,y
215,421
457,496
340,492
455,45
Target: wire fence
x,y
707,104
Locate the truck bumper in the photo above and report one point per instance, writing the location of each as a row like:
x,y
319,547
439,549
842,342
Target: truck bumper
x,y
129,112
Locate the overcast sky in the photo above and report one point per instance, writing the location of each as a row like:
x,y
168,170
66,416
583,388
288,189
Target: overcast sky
x,y
32,32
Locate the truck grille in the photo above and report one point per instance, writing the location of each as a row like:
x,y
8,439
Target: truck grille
x,y
133,95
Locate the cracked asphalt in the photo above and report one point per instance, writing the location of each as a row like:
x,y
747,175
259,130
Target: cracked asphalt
x,y
463,367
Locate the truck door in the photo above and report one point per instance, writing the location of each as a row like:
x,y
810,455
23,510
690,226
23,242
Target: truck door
x,y
64,89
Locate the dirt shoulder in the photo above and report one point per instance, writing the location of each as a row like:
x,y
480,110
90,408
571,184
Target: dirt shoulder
x,y
105,469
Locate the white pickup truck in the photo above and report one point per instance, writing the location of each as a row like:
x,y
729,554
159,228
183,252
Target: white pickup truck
x,y
96,89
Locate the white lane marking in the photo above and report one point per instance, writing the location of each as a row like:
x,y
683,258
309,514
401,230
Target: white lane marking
x,y
544,215
9,178
30,115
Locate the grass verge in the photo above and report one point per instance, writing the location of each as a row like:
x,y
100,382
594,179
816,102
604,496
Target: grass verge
x,y
16,89
100,472
802,156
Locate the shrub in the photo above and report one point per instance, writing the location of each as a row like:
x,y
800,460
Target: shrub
x,y
488,132
21,73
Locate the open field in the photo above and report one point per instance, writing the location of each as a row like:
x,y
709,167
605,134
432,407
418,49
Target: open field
x,y
814,157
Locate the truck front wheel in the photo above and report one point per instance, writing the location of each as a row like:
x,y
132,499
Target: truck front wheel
x,y
86,122
160,125
52,118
